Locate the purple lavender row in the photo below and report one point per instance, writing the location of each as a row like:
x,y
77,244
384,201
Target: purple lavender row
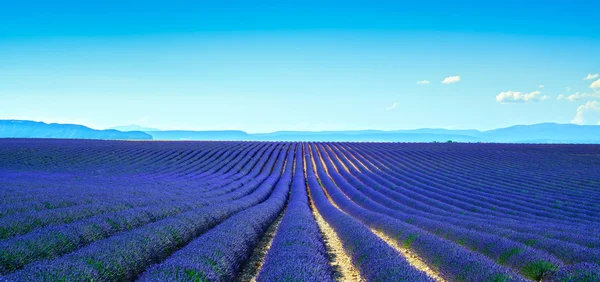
x,y
431,205
470,168
191,164
219,254
442,194
193,167
243,170
234,167
297,251
456,230
453,262
531,263
199,172
499,185
539,180
546,229
375,259
581,272
500,190
125,255
22,223
569,171
227,170
53,241
498,205
36,203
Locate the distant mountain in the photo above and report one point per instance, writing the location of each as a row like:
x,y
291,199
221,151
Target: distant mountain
x,y
362,136
133,127
33,129
546,133
536,133
467,132
231,135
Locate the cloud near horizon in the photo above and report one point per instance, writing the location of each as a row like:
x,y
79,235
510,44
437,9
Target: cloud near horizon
x,y
423,82
582,112
595,85
591,76
451,79
518,97
578,96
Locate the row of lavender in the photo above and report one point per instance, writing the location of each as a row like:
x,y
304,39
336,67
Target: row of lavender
x,y
425,208
197,210
119,244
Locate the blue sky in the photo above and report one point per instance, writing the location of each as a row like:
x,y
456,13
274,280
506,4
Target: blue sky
x,y
262,66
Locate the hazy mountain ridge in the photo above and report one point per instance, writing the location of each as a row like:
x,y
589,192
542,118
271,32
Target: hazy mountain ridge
x,y
233,135
133,127
536,133
33,129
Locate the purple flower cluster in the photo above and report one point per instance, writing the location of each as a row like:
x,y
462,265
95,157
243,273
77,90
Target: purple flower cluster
x,y
581,272
297,252
83,210
124,255
375,259
452,261
219,254
504,251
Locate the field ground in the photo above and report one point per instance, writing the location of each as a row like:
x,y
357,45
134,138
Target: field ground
x,y
73,210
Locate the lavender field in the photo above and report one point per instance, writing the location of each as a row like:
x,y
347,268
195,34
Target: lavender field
x,y
74,210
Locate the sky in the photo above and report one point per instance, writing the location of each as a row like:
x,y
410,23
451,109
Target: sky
x,y
263,66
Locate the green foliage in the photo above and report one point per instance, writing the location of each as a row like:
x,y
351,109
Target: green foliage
x,y
500,278
115,225
581,277
95,264
538,270
195,276
530,242
408,241
504,257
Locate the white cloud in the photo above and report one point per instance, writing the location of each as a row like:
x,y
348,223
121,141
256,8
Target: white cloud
x,y
579,96
423,82
541,86
451,79
583,111
568,89
591,76
518,97
595,84
392,107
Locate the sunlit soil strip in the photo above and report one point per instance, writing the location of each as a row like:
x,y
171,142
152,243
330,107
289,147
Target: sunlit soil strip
x,y
250,271
340,261
257,259
327,172
370,162
322,162
342,163
342,155
412,258
356,159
